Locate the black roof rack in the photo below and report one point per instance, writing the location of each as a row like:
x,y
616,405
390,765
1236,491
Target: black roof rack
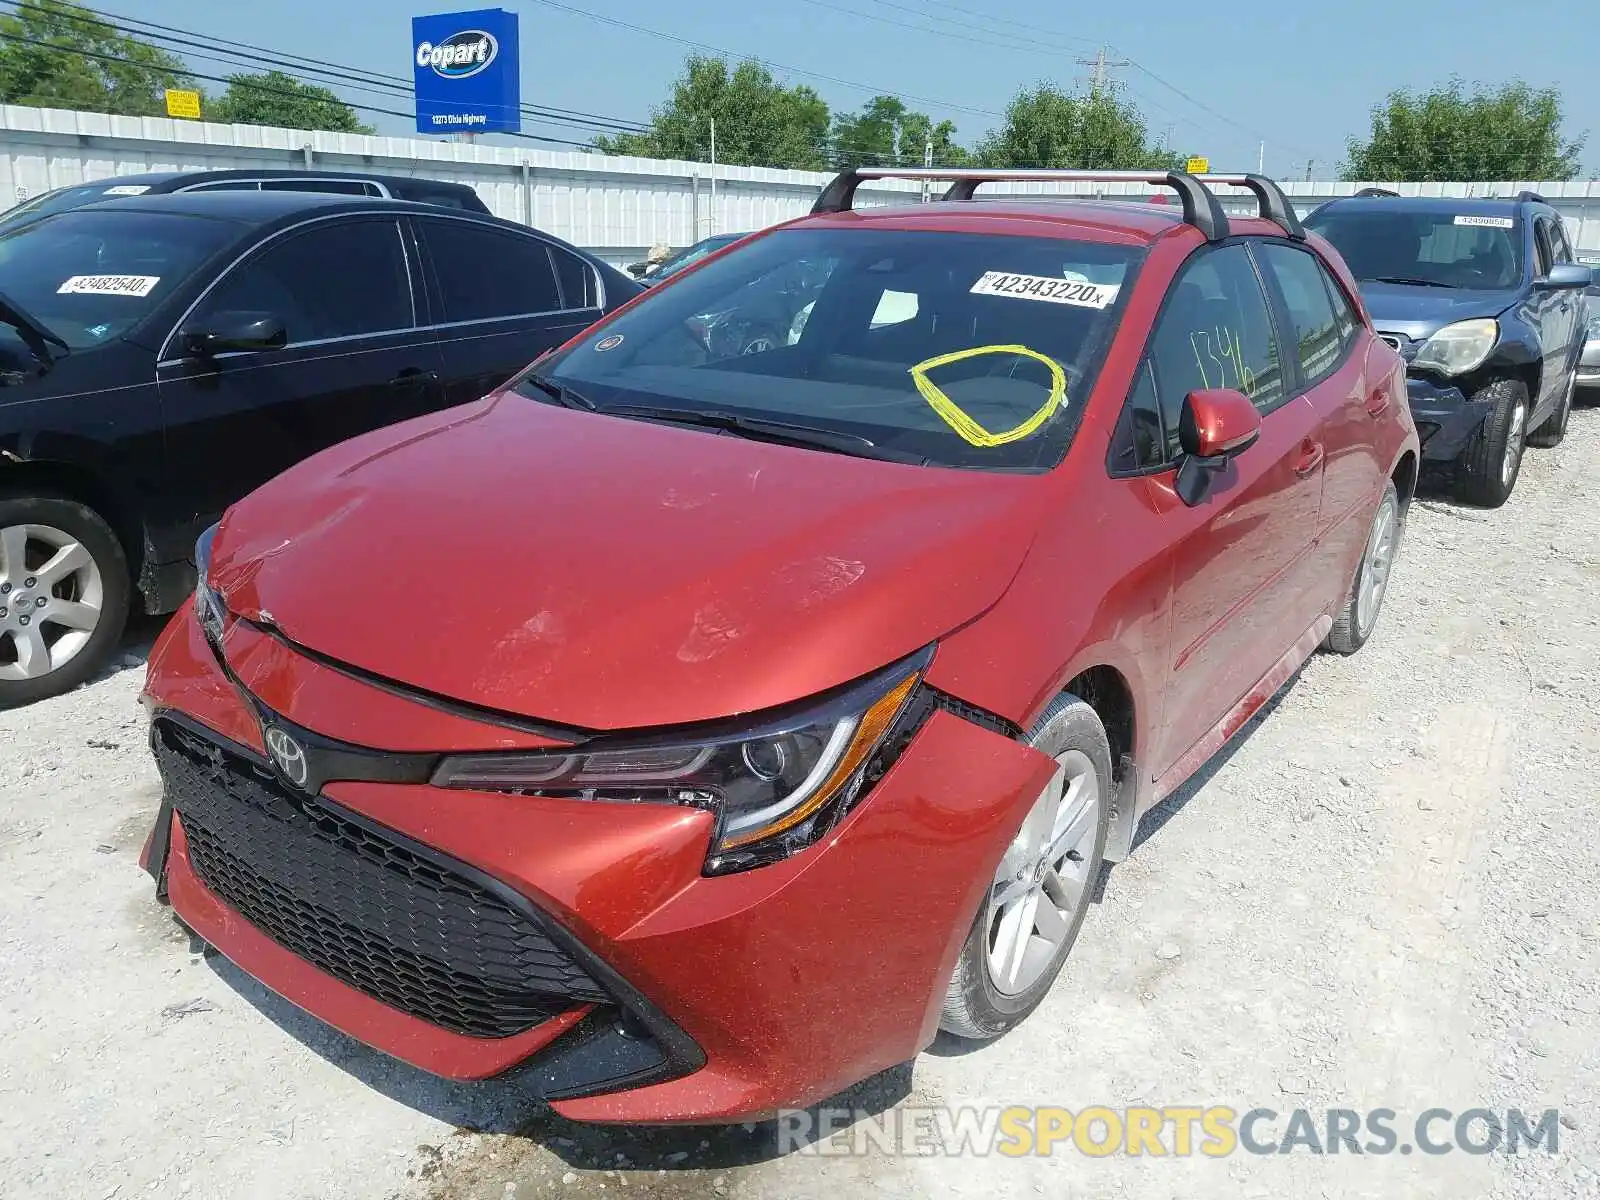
x,y
1200,205
1378,191
1534,197
1271,202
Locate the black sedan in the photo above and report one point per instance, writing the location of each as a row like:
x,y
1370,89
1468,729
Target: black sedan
x,y
160,356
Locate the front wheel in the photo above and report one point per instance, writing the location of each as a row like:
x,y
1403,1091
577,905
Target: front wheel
x,y
1359,616
64,591
1041,890
1493,458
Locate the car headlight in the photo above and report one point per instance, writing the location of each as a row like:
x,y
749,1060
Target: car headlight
x,y
1459,348
209,609
775,787
1594,327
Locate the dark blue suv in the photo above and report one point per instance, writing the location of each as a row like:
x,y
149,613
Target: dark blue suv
x,y
1484,301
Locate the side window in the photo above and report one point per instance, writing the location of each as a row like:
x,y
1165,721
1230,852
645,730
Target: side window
x,y
342,187
1541,245
335,279
1318,344
1344,314
231,185
1561,249
579,288
484,272
1214,332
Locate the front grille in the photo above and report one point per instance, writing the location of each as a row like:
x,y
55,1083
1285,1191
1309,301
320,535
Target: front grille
x,y
405,929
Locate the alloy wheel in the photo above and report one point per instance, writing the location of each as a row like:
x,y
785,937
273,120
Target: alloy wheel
x,y
1516,435
51,600
1375,567
1044,879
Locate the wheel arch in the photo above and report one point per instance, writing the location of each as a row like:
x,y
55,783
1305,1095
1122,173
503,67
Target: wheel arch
x,y
35,476
1404,478
1109,692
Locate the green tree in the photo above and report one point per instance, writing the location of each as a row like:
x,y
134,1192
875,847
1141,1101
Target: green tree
x,y
274,98
1045,127
47,59
1449,133
760,122
886,132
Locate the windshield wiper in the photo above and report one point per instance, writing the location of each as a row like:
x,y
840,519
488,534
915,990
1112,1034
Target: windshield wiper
x,y
562,394
764,429
1411,280
37,337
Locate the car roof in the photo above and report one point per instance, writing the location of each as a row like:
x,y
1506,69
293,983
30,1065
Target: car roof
x,y
1135,222
260,208
1467,206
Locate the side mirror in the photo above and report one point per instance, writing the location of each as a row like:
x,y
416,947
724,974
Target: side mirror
x,y
235,331
1566,275
1216,424
637,270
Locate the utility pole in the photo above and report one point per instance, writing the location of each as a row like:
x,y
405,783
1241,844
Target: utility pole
x,y
713,175
1101,80
927,161
1310,162
1261,160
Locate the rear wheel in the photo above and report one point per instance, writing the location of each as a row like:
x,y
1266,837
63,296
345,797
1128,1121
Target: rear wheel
x,y
64,592
1040,894
1554,428
1359,616
1490,464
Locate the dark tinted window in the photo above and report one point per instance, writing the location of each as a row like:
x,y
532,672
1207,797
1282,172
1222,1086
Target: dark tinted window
x,y
1391,243
440,199
1560,248
342,187
1215,332
1317,340
67,198
1343,311
91,275
230,185
578,286
966,349
1140,441
1541,245
336,279
485,272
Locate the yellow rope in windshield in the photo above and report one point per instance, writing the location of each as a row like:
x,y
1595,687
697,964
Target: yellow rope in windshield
x,y
953,415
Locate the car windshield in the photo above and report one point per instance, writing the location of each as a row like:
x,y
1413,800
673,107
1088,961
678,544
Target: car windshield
x,y
694,254
90,275
958,349
1440,249
64,199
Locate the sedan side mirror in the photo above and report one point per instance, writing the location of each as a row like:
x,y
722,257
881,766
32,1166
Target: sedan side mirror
x,y
1216,425
1566,275
235,331
637,270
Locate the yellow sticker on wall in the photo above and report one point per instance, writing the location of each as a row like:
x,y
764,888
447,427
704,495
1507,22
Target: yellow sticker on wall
x,y
953,415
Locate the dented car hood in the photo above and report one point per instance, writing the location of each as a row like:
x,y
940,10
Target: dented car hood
x,y
611,574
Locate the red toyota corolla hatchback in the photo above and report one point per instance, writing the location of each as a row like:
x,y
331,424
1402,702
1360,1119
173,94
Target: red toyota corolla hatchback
x,y
755,685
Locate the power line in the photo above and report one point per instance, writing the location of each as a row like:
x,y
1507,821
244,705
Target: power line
x,y
767,62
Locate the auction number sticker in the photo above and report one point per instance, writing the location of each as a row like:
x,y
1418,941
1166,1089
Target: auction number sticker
x,y
128,189
1487,222
109,285
1043,287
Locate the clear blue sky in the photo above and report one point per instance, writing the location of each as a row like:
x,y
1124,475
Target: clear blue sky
x,y
1298,77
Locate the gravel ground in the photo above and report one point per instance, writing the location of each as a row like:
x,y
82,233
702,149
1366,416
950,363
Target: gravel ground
x,y
1382,896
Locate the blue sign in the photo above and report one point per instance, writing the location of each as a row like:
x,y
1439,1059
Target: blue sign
x,y
467,71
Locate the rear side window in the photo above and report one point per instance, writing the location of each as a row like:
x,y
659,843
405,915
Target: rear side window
x,y
336,279
1318,343
1560,248
484,272
342,187
1215,332
578,286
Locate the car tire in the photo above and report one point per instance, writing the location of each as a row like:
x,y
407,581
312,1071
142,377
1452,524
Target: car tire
x,y
1489,466
1549,435
1012,953
1359,616
50,617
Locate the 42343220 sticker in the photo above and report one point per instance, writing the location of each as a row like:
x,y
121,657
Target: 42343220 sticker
x,y
1043,287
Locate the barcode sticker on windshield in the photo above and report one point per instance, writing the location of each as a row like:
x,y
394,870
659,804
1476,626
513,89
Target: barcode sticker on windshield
x,y
128,189
1487,222
109,285
1043,287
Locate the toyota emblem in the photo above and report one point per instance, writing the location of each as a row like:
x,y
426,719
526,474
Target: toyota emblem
x,y
288,755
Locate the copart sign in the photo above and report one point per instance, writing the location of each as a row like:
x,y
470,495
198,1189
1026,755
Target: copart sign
x,y
467,72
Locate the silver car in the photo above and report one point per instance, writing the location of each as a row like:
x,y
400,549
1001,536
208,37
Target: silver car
x,y
1589,364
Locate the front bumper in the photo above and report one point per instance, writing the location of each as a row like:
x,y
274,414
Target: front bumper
x,y
719,998
1446,419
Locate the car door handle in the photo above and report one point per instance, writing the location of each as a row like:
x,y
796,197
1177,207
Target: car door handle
x,y
1308,459
1378,403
